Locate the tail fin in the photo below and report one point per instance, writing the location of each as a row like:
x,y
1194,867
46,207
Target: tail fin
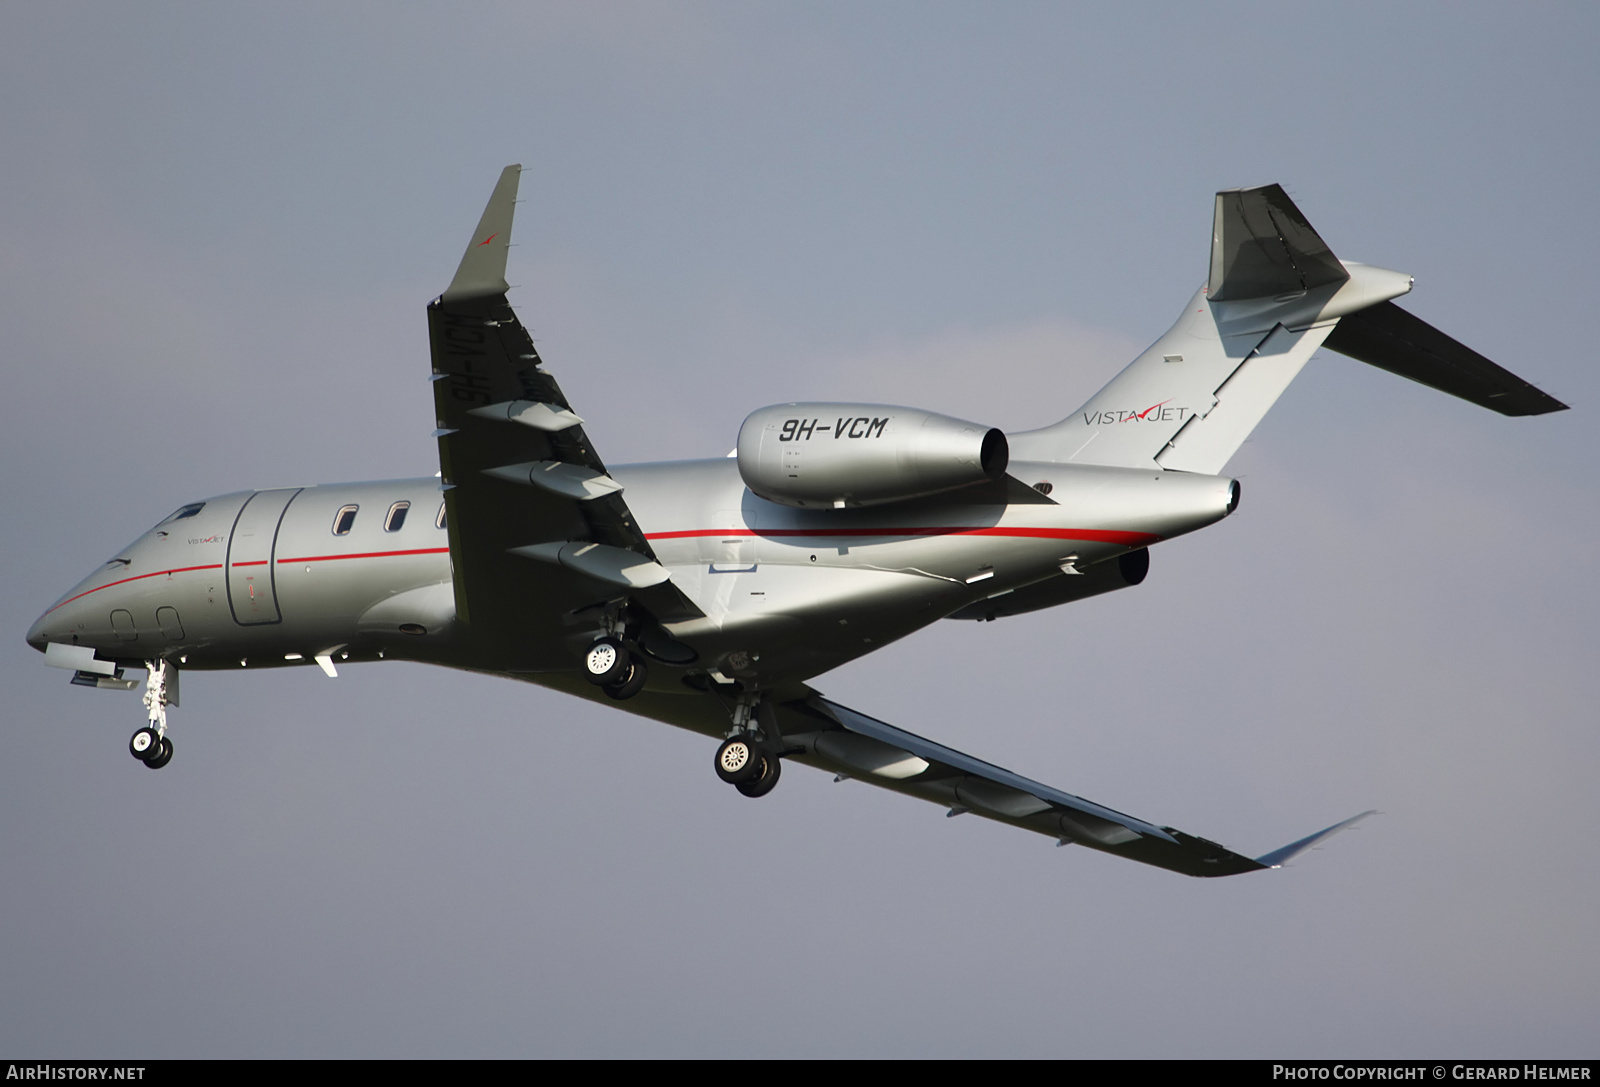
x,y
1276,293
1261,246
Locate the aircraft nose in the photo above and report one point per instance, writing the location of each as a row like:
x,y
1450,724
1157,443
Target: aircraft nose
x,y
55,625
36,633
63,620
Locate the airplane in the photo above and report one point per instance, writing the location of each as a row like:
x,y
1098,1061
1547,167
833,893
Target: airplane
x,y
708,594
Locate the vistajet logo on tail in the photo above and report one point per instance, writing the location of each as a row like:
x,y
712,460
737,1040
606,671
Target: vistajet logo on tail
x,y
1155,413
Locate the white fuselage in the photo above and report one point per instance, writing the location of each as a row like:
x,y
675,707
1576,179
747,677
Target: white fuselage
x,y
280,577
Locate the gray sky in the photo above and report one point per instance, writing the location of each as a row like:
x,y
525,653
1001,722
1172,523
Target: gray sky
x,y
220,227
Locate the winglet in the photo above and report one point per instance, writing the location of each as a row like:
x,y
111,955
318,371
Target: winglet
x,y
483,266
1279,857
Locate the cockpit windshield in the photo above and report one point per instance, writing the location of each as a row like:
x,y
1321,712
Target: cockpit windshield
x,y
185,512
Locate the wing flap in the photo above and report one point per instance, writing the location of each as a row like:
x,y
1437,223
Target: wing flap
x,y
980,771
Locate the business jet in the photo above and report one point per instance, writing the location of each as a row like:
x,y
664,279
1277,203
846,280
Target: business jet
x,y
708,594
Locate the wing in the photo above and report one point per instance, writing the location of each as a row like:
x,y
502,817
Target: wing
x,y
823,734
871,750
539,531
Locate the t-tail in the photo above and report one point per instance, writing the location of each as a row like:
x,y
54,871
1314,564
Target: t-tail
x,y
1276,293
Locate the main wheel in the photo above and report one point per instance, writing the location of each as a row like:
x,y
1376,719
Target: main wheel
x,y
606,661
739,760
145,745
767,780
157,761
624,689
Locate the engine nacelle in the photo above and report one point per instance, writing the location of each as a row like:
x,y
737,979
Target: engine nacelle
x,y
838,455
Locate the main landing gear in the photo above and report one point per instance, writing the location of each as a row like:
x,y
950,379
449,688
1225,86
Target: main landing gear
x,y
748,765
617,670
747,760
150,744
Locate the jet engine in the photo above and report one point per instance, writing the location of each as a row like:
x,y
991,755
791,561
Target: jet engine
x,y
838,455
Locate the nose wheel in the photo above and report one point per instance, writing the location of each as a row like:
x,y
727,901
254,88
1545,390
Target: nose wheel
x,y
151,748
150,744
145,745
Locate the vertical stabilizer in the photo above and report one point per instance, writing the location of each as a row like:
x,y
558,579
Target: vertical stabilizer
x,y
1262,246
1275,293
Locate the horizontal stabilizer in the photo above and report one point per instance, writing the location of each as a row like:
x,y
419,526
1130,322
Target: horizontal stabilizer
x,y
1279,857
1389,338
1261,246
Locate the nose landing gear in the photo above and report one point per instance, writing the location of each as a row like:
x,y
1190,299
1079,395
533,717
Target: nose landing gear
x,y
150,744
149,748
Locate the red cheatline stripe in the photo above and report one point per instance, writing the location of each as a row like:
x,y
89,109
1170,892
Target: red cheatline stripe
x,y
370,555
1093,535
259,562
136,577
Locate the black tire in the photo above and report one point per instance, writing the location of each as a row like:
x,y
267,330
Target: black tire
x,y
771,767
145,745
605,661
624,689
739,760
165,756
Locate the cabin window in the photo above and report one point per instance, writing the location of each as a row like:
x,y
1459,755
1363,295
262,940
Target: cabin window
x,y
438,522
397,517
344,520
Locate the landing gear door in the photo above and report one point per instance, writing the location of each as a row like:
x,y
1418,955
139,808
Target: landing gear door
x,y
252,592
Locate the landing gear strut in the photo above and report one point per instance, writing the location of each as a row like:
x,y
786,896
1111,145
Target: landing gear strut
x,y
150,744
